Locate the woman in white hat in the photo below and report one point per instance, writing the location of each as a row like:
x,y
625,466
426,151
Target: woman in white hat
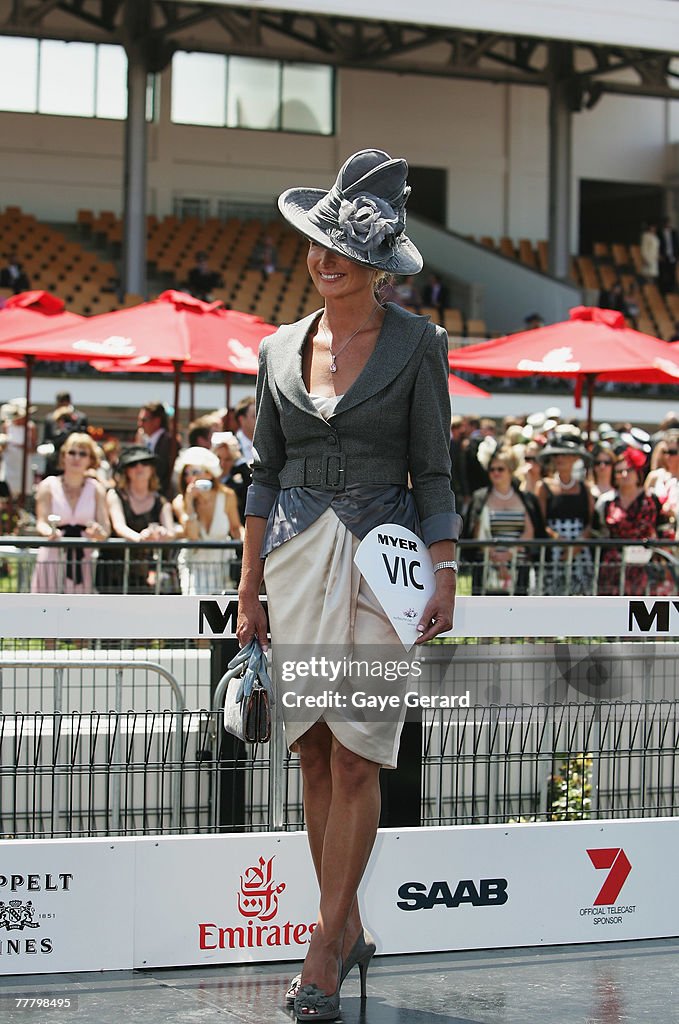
x,y
206,510
352,403
16,425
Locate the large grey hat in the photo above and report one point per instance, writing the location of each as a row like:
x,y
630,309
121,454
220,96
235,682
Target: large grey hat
x,y
363,216
564,446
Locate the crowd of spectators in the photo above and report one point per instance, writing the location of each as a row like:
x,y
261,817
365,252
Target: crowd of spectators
x,y
540,479
520,486
149,490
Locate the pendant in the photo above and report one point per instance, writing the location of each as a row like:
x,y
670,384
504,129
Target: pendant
x,y
333,366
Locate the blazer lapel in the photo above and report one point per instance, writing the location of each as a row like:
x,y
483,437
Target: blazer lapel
x,y
286,363
400,335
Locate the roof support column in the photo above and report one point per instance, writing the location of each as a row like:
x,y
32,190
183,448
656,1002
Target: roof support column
x,y
134,181
560,157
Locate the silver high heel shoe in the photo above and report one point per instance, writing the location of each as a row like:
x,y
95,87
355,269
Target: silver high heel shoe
x,y
361,953
312,1003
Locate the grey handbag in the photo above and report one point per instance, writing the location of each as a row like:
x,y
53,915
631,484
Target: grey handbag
x,y
249,695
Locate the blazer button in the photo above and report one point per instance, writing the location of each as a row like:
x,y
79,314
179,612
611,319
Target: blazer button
x,y
332,439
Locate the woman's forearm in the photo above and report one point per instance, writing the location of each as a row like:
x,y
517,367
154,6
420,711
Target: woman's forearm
x,y
252,571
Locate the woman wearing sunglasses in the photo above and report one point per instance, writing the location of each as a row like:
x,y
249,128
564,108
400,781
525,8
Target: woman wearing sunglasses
x,y
600,477
70,505
627,513
663,484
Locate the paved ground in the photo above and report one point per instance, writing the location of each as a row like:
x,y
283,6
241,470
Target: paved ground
x,y
613,983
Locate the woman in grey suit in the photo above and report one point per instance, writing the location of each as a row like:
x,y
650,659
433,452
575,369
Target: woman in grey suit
x,y
352,405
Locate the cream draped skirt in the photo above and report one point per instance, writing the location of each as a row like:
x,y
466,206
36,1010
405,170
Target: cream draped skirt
x,y
320,604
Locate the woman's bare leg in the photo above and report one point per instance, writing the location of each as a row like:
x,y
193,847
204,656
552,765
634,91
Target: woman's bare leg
x,y
342,831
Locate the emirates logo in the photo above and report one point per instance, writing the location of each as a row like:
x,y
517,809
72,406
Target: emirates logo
x,y
258,894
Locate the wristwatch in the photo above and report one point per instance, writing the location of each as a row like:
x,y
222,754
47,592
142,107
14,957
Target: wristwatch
x,y
450,564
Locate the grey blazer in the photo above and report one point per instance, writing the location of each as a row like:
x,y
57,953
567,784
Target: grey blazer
x,y
391,426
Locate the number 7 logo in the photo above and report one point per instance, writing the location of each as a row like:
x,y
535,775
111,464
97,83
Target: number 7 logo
x,y
620,867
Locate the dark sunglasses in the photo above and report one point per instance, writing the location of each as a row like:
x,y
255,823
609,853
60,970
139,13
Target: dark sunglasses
x,y
672,451
497,469
530,458
81,452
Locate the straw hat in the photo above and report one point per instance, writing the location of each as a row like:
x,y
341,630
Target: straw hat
x,y
202,458
362,217
15,408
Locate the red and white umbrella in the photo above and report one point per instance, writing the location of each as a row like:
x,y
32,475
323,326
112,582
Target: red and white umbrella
x,y
458,387
594,344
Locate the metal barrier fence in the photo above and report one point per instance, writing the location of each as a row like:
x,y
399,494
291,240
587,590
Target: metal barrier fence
x,y
550,567
123,771
114,566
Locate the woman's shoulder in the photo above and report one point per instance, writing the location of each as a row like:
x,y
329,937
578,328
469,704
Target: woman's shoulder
x,y
95,485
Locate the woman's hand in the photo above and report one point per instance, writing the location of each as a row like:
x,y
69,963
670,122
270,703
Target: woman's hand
x,y
252,620
438,615
95,531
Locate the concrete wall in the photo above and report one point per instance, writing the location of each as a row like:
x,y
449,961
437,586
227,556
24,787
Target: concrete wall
x,y
491,140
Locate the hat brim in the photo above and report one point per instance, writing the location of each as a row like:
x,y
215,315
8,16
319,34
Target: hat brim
x,y
295,204
150,460
577,453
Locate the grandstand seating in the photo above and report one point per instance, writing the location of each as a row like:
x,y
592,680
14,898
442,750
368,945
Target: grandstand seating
x,y
609,264
90,284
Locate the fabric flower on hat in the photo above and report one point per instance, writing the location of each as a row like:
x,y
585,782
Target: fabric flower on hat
x,y
634,458
367,221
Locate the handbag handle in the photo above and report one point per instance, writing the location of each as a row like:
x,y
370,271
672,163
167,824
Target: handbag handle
x,y
256,670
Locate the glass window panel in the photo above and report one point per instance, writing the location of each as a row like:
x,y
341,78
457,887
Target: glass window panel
x,y
253,97
111,82
18,74
198,88
66,83
307,98
152,97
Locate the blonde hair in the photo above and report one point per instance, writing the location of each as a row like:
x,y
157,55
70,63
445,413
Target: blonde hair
x,y
506,457
80,441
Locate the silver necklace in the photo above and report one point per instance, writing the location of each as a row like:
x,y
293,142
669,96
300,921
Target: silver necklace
x,y
501,496
334,355
568,486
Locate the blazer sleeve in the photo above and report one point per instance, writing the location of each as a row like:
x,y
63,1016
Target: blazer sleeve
x,y
269,446
429,444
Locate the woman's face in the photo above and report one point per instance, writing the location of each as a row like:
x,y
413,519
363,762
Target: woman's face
x,y
603,464
336,277
672,457
139,473
226,458
625,476
193,473
564,463
77,458
499,474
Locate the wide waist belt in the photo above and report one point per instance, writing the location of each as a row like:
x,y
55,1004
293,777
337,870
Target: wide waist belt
x,y
335,471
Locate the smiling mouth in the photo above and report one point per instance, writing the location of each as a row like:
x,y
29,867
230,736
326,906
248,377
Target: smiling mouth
x,y
330,277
